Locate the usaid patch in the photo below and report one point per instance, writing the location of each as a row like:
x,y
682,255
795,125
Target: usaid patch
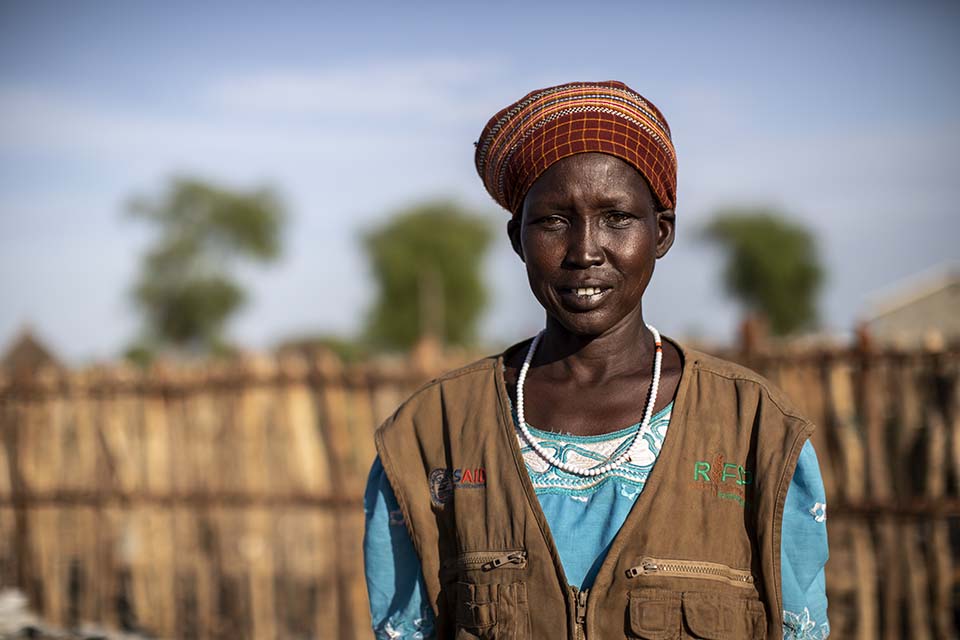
x,y
443,482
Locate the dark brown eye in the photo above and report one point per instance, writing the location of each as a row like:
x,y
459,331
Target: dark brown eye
x,y
619,219
551,222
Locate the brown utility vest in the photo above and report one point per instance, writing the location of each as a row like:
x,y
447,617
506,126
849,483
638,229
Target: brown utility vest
x,y
697,557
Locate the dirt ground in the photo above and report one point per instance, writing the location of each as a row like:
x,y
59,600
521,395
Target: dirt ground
x,y
17,621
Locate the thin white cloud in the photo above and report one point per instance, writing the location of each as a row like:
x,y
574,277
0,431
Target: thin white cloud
x,y
434,89
350,107
863,172
38,121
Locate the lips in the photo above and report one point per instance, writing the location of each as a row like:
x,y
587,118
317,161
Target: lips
x,y
587,291
584,297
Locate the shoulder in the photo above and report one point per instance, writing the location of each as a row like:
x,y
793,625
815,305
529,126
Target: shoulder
x,y
468,385
724,378
475,369
466,377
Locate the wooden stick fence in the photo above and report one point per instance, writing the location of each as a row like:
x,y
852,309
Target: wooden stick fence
x,y
224,501
888,443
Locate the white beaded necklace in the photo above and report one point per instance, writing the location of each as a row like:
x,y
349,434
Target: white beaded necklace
x,y
609,465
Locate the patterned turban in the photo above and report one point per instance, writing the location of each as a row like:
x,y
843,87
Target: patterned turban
x,y
520,142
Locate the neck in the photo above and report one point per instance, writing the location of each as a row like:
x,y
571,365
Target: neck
x,y
624,349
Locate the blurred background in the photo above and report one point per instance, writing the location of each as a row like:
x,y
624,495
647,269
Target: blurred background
x,y
234,236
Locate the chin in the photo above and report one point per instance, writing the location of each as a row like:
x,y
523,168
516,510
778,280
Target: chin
x,y
583,324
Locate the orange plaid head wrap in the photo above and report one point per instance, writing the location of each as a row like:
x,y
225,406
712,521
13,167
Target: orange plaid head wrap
x,y
521,141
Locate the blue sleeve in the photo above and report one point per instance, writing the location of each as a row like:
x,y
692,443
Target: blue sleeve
x,y
398,604
803,552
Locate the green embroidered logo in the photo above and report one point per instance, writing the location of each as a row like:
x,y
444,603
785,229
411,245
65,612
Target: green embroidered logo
x,y
726,472
727,480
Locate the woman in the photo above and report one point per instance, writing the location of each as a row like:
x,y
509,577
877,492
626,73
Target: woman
x,y
704,518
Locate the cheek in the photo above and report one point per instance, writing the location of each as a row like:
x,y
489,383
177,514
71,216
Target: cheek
x,y
540,279
634,252
636,262
541,252
541,266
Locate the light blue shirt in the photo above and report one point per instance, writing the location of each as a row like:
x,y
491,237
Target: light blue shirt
x,y
584,516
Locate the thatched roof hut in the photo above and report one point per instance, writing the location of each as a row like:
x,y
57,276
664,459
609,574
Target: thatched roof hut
x,y
26,355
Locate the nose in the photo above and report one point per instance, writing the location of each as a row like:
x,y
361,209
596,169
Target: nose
x,y
583,247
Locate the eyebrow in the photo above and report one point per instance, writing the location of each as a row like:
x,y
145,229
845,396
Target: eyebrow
x,y
606,201
614,200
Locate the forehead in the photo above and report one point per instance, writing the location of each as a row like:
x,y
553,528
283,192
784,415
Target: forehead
x,y
589,177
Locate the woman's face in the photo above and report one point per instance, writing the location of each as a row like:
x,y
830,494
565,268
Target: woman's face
x,y
590,234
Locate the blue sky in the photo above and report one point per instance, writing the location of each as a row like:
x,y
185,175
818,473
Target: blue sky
x,y
848,118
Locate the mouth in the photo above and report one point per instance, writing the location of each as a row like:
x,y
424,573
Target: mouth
x,y
583,298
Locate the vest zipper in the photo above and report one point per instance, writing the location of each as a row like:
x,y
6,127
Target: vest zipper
x,y
691,569
490,560
581,611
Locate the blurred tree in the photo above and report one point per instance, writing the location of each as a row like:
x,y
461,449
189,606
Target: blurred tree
x,y
185,289
772,266
426,261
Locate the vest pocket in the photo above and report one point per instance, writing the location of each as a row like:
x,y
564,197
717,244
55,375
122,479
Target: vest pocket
x,y
661,614
654,614
492,611
714,616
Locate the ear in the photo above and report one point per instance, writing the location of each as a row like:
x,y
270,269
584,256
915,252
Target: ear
x,y
513,232
666,231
